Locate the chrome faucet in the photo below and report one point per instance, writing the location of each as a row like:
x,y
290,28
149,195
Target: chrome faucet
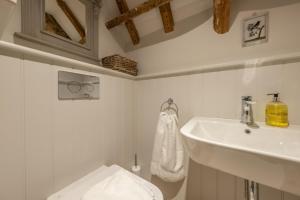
x,y
247,112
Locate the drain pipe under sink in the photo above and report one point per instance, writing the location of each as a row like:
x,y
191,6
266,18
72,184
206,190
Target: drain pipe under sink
x,y
251,190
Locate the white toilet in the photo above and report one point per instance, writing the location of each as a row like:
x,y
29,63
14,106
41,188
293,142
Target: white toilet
x,y
78,189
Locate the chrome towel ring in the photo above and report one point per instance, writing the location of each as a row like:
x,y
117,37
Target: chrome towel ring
x,y
169,105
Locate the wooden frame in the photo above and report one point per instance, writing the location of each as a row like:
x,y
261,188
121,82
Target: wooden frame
x,y
33,34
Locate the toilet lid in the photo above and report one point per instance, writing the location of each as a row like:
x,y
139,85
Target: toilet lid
x,y
157,194
76,190
121,185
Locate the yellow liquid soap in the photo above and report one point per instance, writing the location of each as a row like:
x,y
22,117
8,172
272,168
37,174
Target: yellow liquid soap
x,y
277,114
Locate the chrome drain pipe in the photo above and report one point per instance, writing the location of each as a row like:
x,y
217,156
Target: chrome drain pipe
x,y
251,190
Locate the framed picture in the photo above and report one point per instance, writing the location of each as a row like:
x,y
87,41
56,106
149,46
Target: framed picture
x,y
255,30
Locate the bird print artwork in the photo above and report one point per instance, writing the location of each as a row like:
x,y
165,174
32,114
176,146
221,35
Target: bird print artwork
x,y
255,30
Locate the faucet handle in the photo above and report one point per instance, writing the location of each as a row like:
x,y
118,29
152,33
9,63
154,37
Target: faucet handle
x,y
250,102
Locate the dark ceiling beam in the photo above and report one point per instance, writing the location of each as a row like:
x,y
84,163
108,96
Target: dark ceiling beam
x,y
131,28
167,17
132,13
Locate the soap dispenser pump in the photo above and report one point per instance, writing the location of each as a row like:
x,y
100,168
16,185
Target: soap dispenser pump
x,y
277,112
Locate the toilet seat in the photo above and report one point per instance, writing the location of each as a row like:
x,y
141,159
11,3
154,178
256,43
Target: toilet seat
x,y
76,190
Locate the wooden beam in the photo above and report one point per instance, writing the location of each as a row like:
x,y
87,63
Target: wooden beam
x,y
222,16
167,17
123,7
68,12
141,9
134,35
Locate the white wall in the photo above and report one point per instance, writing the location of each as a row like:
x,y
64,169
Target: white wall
x,y
13,24
215,94
45,143
41,137
203,46
7,7
12,147
107,44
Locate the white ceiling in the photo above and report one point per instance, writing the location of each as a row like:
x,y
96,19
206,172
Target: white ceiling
x,y
188,14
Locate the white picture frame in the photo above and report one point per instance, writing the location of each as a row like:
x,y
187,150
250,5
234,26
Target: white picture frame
x,y
255,30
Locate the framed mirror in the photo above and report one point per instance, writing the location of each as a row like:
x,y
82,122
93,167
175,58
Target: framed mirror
x,y
63,27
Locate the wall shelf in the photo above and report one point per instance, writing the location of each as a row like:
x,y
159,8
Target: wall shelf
x,y
14,50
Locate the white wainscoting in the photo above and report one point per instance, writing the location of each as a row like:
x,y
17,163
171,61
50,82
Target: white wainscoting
x,y
213,94
46,144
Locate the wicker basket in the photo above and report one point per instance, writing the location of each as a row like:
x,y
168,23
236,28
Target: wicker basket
x,y
119,63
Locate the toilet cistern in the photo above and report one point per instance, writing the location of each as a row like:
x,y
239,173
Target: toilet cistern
x,y
247,112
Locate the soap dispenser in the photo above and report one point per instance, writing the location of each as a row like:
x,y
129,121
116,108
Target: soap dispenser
x,y
276,112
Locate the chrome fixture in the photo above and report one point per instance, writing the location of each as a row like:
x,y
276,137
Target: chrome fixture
x,y
73,86
247,112
169,103
251,190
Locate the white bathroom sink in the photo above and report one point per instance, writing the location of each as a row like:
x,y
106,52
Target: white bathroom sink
x,y
267,155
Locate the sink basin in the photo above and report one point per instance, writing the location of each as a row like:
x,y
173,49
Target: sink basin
x,y
267,155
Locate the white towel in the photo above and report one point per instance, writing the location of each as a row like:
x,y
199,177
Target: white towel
x,y
168,154
119,186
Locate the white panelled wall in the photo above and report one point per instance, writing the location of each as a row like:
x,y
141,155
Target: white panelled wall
x,y
46,144
214,94
12,138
